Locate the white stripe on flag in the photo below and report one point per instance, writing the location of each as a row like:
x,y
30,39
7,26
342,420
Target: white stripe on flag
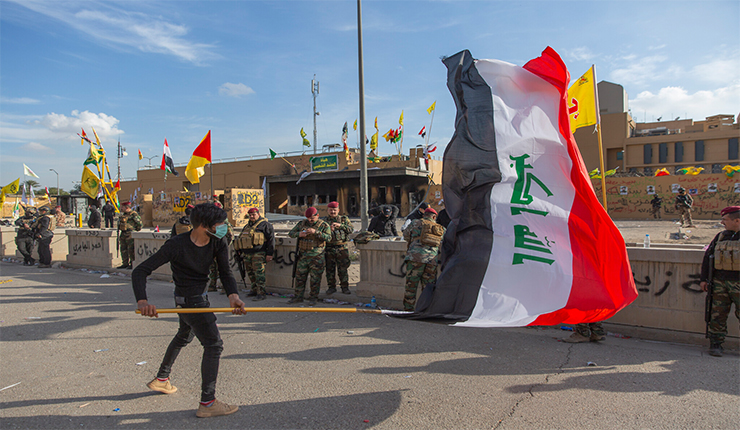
x,y
526,124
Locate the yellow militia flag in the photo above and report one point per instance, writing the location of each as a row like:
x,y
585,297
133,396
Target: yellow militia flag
x,y
400,120
376,123
355,126
90,183
201,156
431,108
303,133
97,139
374,141
583,103
12,187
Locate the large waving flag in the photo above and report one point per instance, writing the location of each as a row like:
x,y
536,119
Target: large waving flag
x,y
730,170
167,164
201,157
94,156
529,243
90,184
583,103
303,136
11,188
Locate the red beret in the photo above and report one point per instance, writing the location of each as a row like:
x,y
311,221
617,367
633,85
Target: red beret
x,y
333,205
191,207
126,204
311,212
218,205
253,210
430,211
729,210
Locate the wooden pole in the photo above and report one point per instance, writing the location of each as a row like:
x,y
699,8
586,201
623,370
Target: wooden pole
x,y
601,164
325,310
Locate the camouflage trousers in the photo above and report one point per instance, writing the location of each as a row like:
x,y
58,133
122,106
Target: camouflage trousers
x,y
25,247
724,294
255,265
656,212
426,273
127,249
337,260
684,214
586,329
306,266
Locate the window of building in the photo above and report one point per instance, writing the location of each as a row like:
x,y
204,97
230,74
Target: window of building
x,y
662,152
716,168
381,195
293,200
321,200
397,194
309,200
732,149
301,201
620,155
699,150
647,151
678,152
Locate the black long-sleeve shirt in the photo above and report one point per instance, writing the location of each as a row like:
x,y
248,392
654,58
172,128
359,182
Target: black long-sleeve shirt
x,y
189,263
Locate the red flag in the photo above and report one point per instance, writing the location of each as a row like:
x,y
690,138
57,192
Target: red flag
x,y
423,131
118,184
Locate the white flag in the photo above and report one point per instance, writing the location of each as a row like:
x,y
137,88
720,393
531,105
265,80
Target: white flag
x,y
27,171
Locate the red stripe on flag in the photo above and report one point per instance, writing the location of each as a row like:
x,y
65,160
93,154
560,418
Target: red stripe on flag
x,y
602,277
204,148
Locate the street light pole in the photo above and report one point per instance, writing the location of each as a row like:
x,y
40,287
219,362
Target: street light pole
x,y
57,184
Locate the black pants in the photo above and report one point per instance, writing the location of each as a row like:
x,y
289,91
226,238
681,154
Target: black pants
x,y
202,326
109,221
25,247
44,250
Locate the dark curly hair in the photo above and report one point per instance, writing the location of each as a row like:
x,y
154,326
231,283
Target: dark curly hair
x,y
207,215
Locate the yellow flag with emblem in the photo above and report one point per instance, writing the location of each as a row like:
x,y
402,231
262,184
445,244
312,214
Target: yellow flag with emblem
x,y
583,101
12,187
90,183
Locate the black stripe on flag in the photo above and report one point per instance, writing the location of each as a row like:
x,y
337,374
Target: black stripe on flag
x,y
470,170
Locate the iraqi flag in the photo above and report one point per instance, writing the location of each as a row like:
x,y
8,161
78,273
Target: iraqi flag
x,y
167,163
529,243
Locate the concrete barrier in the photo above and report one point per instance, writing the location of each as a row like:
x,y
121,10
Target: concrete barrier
x,y
58,245
146,243
92,248
7,241
383,271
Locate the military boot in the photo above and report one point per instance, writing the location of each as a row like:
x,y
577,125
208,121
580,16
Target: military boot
x,y
576,338
715,349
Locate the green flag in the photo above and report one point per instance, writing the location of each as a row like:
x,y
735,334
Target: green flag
x,y
272,154
93,156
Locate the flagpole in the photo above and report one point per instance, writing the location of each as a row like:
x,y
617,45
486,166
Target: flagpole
x,y
598,135
363,153
248,310
430,125
210,165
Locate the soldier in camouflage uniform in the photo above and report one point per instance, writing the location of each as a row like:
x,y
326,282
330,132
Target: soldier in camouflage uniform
x,y
24,239
725,282
337,253
43,231
256,246
312,234
424,237
683,207
213,270
128,222
587,332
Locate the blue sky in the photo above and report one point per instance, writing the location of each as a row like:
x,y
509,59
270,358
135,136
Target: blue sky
x,y
146,71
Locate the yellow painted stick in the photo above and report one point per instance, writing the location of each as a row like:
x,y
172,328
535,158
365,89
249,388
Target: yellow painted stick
x,y
329,310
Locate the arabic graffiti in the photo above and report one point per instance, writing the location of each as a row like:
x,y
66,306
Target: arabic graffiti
x,y
694,279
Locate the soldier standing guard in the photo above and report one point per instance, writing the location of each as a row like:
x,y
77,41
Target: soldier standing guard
x,y
128,222
656,202
683,207
424,237
43,231
24,239
312,234
256,246
337,253
725,280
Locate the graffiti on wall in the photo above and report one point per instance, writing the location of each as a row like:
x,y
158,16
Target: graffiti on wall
x,y
630,197
238,201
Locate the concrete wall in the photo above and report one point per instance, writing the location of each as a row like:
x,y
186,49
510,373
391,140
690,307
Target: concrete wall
x,y
146,243
382,271
635,204
7,241
58,246
92,248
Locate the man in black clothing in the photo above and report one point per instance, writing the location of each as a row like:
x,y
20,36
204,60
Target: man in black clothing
x,y
190,256
418,213
93,221
384,224
25,239
108,212
43,231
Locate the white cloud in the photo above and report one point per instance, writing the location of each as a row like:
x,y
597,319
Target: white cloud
x,y
126,29
36,147
19,100
234,90
677,101
579,54
640,71
720,71
54,129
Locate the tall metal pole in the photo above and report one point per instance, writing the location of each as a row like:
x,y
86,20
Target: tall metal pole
x,y
315,92
119,159
57,184
363,151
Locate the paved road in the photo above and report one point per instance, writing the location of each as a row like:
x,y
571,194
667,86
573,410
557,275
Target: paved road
x,y
333,371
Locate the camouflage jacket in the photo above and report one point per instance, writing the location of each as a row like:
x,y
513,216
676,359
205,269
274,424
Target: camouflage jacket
x,y
24,232
339,235
417,252
684,201
322,235
129,222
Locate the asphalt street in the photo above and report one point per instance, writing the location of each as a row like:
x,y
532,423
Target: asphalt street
x,y
81,357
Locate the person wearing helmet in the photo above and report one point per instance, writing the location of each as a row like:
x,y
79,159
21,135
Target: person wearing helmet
x,y
683,207
24,239
43,231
